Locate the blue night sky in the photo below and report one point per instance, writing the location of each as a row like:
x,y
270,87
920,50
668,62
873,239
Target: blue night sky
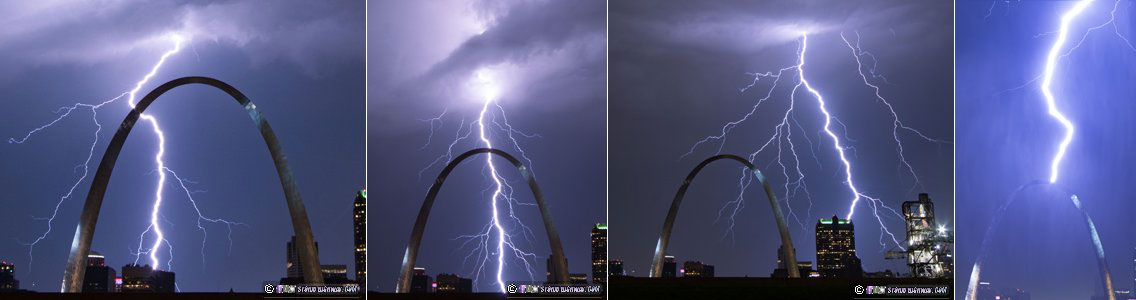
x,y
300,62
1005,139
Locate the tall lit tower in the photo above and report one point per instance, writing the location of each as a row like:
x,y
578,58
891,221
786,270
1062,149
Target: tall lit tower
x,y
361,239
599,254
836,249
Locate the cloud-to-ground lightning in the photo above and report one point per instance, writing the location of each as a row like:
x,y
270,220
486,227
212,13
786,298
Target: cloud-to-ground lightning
x,y
1047,82
160,168
493,242
786,156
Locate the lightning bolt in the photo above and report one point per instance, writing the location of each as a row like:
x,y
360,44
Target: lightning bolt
x,y
1047,82
161,169
493,242
786,156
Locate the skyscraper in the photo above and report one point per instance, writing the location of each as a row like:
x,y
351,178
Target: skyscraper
x,y
360,210
421,283
599,254
293,256
836,249
98,277
669,267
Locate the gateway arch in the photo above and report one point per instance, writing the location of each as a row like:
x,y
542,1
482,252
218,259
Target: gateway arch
x,y
668,224
81,245
560,274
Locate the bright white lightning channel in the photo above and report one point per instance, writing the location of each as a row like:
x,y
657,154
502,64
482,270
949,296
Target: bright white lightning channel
x,y
1047,82
783,132
490,94
161,168
158,160
827,122
487,90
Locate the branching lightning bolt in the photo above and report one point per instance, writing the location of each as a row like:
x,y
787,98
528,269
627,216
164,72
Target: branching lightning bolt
x,y
786,156
161,168
896,123
492,242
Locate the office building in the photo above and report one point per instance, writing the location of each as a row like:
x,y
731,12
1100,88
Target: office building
x,y
360,221
98,278
836,249
143,279
696,269
334,274
8,280
420,282
452,283
669,267
599,254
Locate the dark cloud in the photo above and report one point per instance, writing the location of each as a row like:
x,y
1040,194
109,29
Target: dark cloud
x,y
308,34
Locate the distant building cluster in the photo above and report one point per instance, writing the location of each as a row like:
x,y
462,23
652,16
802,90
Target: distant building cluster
x,y
690,268
421,282
445,283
